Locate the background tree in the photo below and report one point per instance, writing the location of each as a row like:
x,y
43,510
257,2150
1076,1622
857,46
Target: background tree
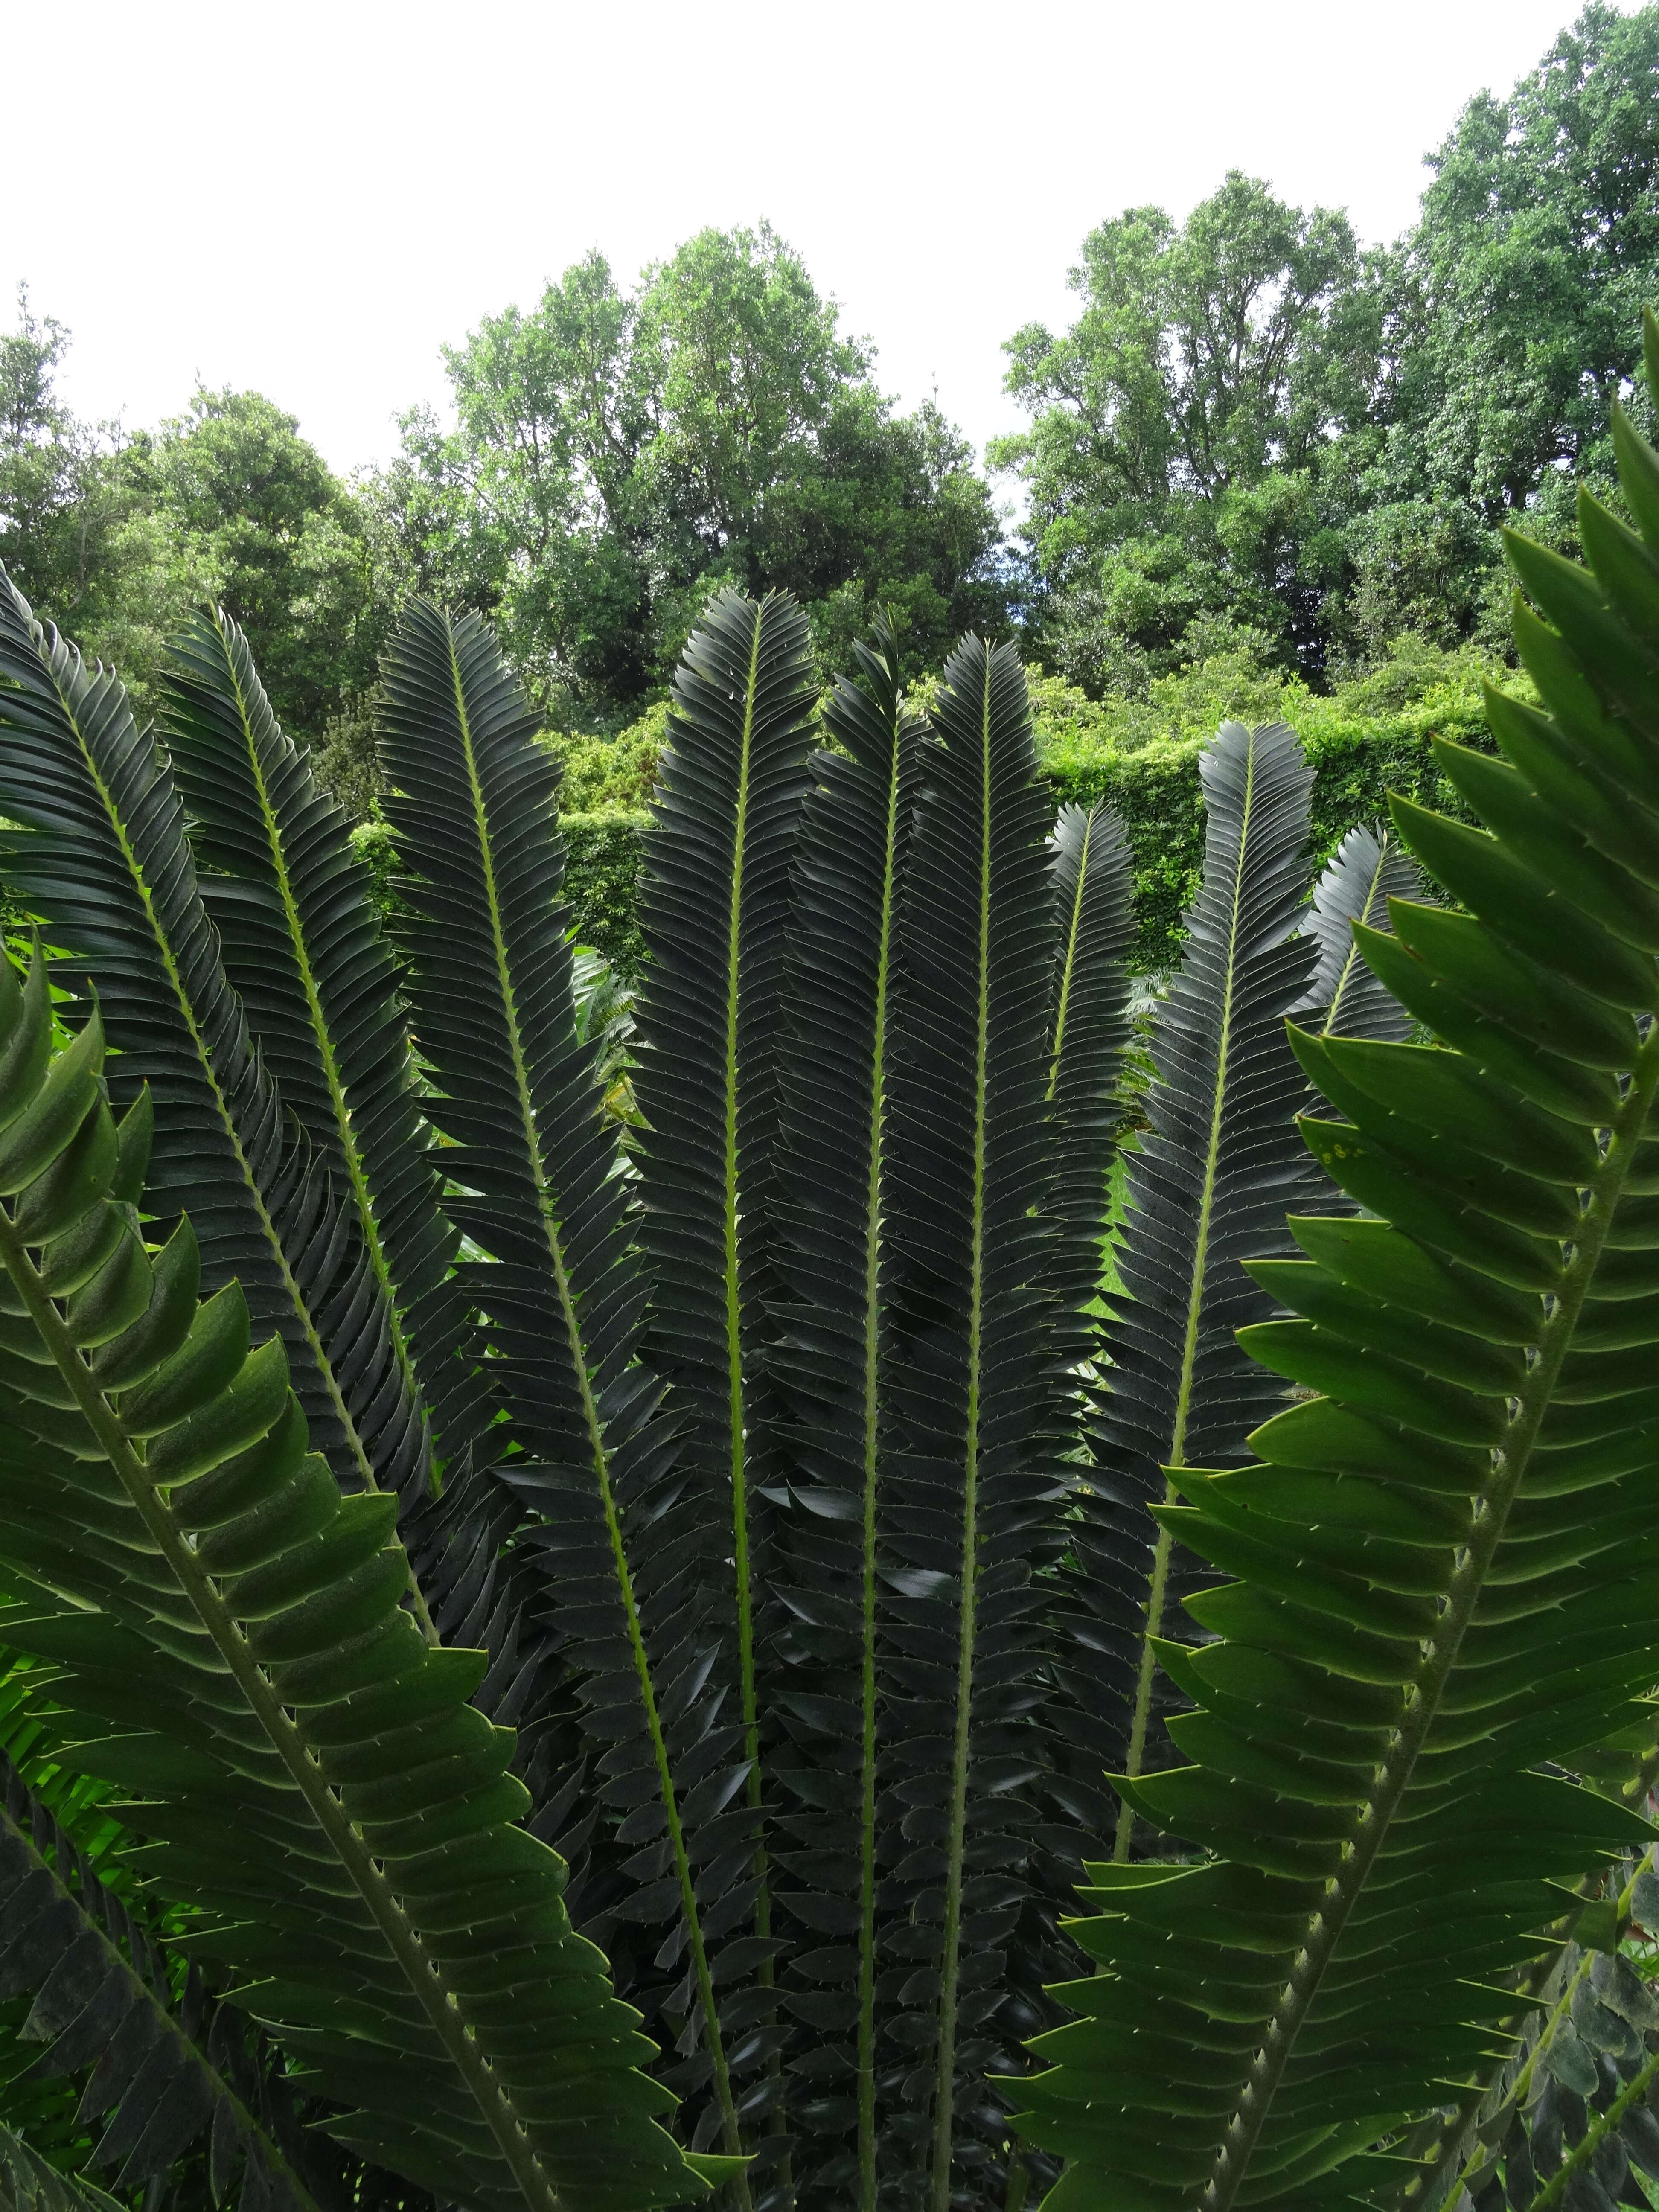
x,y
1196,434
122,535
1257,438
53,523
615,457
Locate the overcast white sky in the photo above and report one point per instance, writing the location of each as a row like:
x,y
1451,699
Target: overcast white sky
x,y
310,200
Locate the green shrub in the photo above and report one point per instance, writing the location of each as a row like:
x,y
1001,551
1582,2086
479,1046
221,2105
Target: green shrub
x,y
602,882
603,774
1372,735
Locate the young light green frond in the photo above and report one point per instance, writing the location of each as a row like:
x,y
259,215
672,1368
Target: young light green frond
x,y
1207,1188
540,1193
971,1398
1444,1561
304,1769
104,863
162,2073
303,949
715,908
833,1185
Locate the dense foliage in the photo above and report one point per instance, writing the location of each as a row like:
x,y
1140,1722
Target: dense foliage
x,y
1255,425
1365,739
572,1628
1260,449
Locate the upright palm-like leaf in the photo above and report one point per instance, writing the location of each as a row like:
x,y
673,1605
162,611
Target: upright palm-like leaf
x,y
162,2076
1447,1563
535,1159
972,1397
1346,996
714,914
308,1776
302,947
834,1179
104,862
1208,1188
1094,892
27,2184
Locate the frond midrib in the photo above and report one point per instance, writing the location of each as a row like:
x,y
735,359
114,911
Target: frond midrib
x,y
1351,958
224,2092
1069,964
872,1470
227,1122
368,1218
748,1695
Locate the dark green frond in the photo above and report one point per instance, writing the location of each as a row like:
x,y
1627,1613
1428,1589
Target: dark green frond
x,y
1089,1034
104,863
834,1173
971,1380
1207,1189
162,2076
27,2184
305,1776
715,908
301,942
1346,998
539,1192
1442,1572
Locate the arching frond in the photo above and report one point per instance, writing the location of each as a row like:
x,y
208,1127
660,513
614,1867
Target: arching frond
x,y
304,1769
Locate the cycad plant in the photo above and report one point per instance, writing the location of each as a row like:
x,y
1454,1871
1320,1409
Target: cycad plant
x,y
583,1659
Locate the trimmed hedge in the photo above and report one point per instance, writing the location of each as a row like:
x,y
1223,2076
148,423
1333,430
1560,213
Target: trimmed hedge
x,y
602,882
601,877
1362,743
1357,762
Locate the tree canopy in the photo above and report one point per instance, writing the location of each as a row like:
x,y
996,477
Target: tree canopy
x,y
616,456
1253,425
1261,449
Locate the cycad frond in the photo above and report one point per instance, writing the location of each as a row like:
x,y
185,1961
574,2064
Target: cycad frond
x,y
302,947
714,912
972,1395
308,1778
162,2074
836,1073
1208,1188
104,863
1094,894
541,1193
27,2184
1446,1564
1346,996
